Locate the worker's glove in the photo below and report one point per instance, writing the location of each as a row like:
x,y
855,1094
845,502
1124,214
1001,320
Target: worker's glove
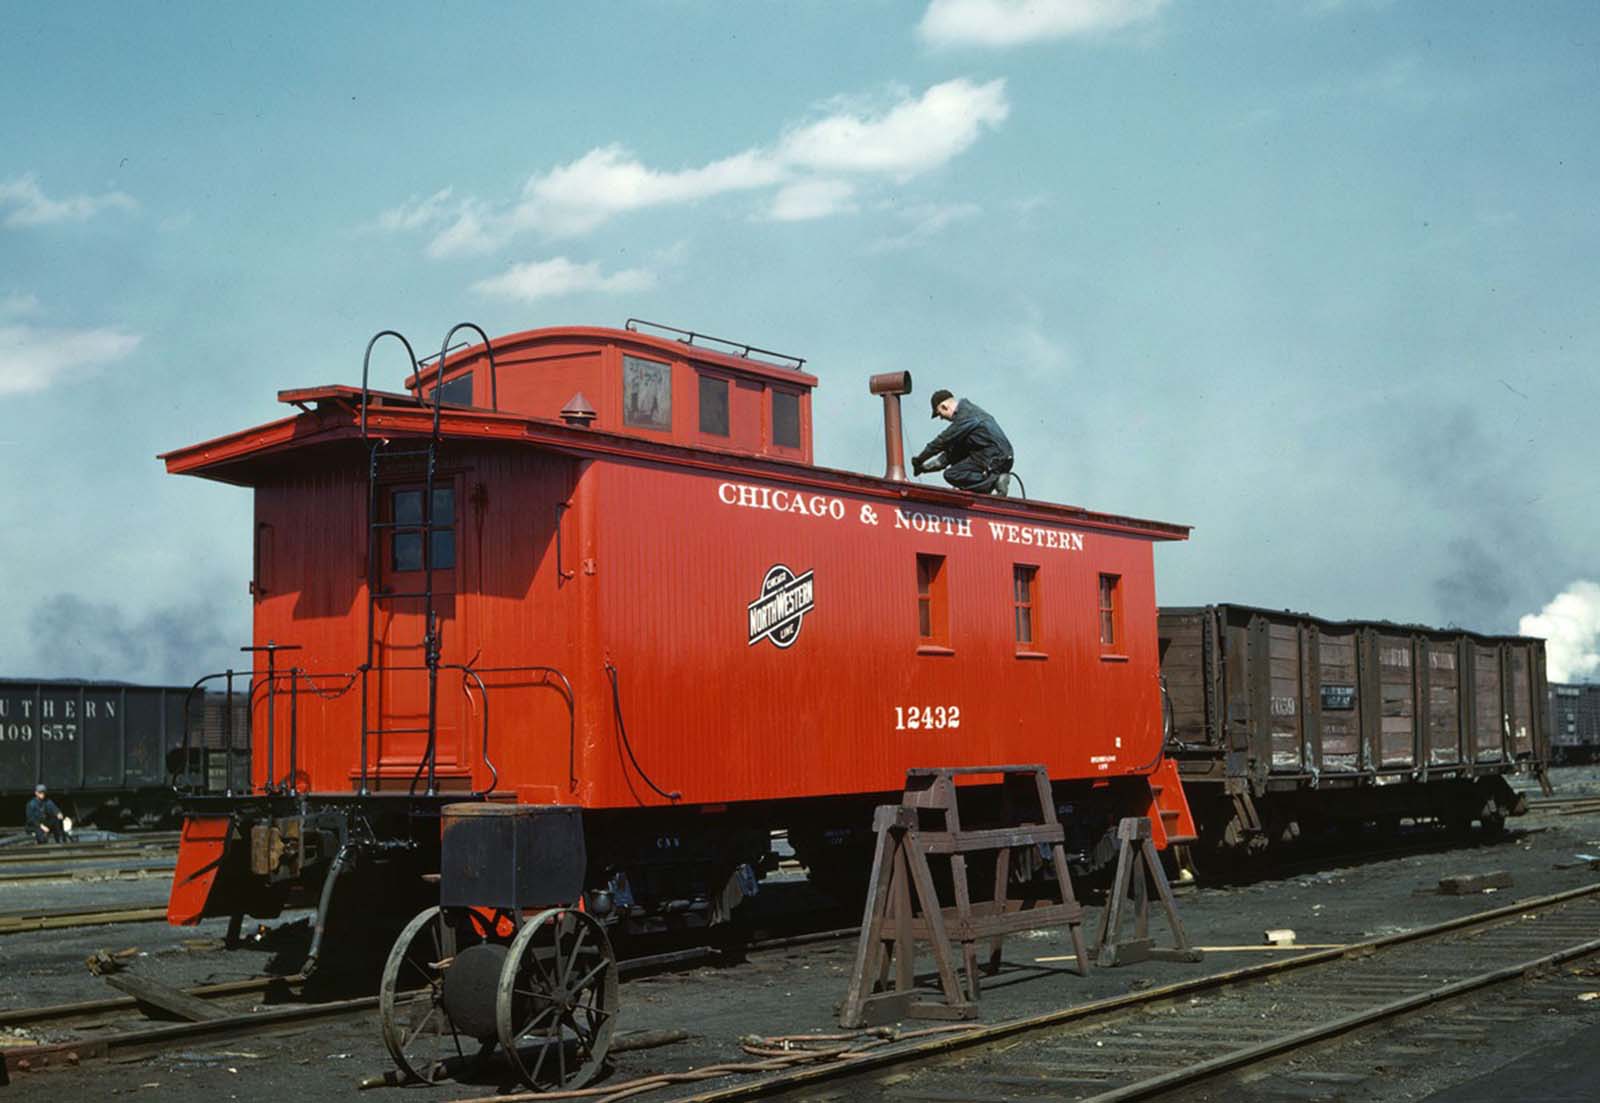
x,y
916,465
919,462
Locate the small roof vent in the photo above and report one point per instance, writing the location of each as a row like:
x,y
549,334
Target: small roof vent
x,y
577,412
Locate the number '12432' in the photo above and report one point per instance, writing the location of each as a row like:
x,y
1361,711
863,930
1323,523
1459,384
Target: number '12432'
x,y
935,717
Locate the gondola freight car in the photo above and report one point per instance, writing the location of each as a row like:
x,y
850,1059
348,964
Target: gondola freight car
x,y
1284,724
597,568
109,752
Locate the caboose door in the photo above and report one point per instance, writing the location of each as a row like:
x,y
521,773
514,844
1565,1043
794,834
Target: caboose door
x,y
419,559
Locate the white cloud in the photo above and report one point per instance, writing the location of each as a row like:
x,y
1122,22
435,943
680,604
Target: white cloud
x,y
574,198
805,199
1570,627
1016,22
805,166
29,206
34,359
546,279
910,138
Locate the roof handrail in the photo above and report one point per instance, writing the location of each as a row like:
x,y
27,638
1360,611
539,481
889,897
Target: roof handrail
x,y
689,336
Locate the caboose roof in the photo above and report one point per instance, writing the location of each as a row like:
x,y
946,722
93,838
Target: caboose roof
x,y
328,431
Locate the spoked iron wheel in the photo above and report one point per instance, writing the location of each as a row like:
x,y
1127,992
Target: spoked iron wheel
x,y
420,1034
557,1001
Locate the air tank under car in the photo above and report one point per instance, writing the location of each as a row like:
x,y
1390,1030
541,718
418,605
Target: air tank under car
x,y
598,569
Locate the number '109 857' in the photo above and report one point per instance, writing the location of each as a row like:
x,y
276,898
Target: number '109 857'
x,y
935,717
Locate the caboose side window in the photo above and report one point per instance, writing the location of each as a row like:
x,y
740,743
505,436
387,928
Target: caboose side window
x,y
1024,601
785,419
1110,611
406,509
646,393
932,607
713,406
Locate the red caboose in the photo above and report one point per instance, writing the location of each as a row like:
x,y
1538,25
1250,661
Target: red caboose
x,y
597,568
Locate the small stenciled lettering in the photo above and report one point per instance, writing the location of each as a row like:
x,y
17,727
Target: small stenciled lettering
x,y
1033,536
1340,697
826,507
777,499
940,523
926,717
1284,706
1102,762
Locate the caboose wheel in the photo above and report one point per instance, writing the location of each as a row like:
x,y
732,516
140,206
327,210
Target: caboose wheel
x,y
557,1001
423,1039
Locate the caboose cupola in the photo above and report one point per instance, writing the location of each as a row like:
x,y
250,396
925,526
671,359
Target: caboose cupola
x,y
648,381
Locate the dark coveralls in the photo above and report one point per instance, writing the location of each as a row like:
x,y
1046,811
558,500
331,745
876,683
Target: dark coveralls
x,y
44,820
977,453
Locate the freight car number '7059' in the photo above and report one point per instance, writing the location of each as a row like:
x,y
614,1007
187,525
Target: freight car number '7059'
x,y
934,717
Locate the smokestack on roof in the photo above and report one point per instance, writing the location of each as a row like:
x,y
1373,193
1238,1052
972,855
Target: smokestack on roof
x,y
891,385
577,412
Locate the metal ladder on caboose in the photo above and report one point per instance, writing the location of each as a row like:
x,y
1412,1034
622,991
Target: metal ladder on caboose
x,y
382,462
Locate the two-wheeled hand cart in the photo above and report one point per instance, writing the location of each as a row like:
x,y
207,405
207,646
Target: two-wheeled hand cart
x,y
509,956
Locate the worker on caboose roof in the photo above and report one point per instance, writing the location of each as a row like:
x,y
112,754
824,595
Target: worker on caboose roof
x,y
976,454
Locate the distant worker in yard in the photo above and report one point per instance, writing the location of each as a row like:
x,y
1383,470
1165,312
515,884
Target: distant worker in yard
x,y
45,822
974,454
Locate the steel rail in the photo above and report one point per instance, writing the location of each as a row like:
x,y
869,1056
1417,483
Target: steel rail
x,y
20,922
156,1039
1277,1047
130,1043
34,857
986,1035
28,1016
97,873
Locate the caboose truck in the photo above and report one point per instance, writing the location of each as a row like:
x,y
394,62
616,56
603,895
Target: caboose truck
x,y
597,569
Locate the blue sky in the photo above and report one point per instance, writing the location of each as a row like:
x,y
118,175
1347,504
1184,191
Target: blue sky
x,y
1316,277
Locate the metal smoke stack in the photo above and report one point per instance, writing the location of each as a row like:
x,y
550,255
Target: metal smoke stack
x,y
891,385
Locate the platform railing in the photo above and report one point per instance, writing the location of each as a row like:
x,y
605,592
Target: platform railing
x,y
274,688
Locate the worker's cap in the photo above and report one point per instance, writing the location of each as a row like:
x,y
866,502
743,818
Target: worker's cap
x,y
39,788
938,397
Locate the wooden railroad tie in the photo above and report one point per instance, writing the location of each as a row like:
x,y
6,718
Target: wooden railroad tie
x,y
1137,868
903,905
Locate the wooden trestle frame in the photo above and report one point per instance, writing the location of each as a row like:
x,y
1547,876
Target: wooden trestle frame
x,y
903,903
1137,868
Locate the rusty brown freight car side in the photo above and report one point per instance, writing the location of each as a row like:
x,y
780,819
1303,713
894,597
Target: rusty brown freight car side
x,y
1283,723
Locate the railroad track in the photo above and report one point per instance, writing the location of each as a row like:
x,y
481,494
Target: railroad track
x,y
141,1038
56,920
1565,806
19,843
93,873
37,854
1162,1042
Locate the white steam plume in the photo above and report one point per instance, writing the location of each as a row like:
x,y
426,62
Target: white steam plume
x,y
1570,625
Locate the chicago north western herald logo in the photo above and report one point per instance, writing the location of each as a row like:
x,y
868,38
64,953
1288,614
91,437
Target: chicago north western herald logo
x,y
785,600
